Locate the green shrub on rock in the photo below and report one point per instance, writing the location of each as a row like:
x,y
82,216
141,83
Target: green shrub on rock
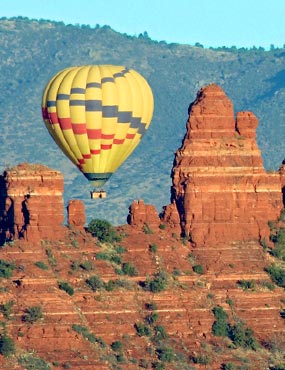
x,y
103,231
6,269
64,285
95,283
158,283
129,269
7,346
277,274
30,362
32,314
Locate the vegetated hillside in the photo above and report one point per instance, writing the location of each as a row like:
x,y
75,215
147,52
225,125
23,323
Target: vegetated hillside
x,y
33,51
141,298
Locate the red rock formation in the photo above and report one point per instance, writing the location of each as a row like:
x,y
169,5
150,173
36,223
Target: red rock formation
x,y
76,214
31,203
171,217
141,214
220,187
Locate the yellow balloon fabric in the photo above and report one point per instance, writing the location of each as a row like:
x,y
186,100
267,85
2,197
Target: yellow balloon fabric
x,y
97,115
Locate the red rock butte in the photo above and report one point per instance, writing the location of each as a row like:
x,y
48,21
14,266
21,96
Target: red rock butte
x,y
221,190
31,205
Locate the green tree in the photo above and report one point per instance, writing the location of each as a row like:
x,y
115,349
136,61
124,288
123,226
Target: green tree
x,y
129,269
220,327
277,274
160,333
152,318
103,231
95,283
6,309
6,269
117,346
41,265
158,283
199,269
7,346
142,330
219,313
243,336
64,285
165,354
32,314
30,362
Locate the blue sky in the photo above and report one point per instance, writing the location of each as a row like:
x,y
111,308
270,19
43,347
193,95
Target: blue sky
x,y
210,22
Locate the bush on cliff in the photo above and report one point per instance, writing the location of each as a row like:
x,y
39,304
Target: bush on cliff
x,y
165,354
277,274
31,362
32,314
129,269
6,309
243,336
7,346
220,314
158,283
240,335
220,326
6,269
64,285
142,329
95,283
103,231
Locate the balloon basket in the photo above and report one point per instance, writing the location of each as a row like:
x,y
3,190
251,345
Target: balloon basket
x,y
98,194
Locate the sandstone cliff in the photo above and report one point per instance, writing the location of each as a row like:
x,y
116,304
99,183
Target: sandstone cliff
x,y
31,203
220,188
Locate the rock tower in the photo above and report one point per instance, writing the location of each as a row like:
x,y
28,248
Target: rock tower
x,y
220,188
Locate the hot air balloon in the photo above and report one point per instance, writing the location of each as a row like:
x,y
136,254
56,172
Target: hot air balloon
x,y
97,115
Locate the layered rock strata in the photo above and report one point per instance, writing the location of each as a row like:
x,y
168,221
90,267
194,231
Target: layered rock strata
x,y
31,203
141,214
76,217
220,187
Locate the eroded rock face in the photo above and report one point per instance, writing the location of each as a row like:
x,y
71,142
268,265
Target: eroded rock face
x,y
220,188
76,217
141,214
31,204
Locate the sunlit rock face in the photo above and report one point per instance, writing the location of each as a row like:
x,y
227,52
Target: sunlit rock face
x,y
220,187
143,215
31,204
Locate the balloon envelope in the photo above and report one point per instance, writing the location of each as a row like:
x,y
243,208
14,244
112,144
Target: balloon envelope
x,y
97,115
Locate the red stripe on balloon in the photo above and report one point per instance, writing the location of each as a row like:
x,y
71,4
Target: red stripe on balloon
x,y
108,137
94,133
95,151
79,128
106,146
130,136
65,123
81,161
53,117
86,156
97,134
118,141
